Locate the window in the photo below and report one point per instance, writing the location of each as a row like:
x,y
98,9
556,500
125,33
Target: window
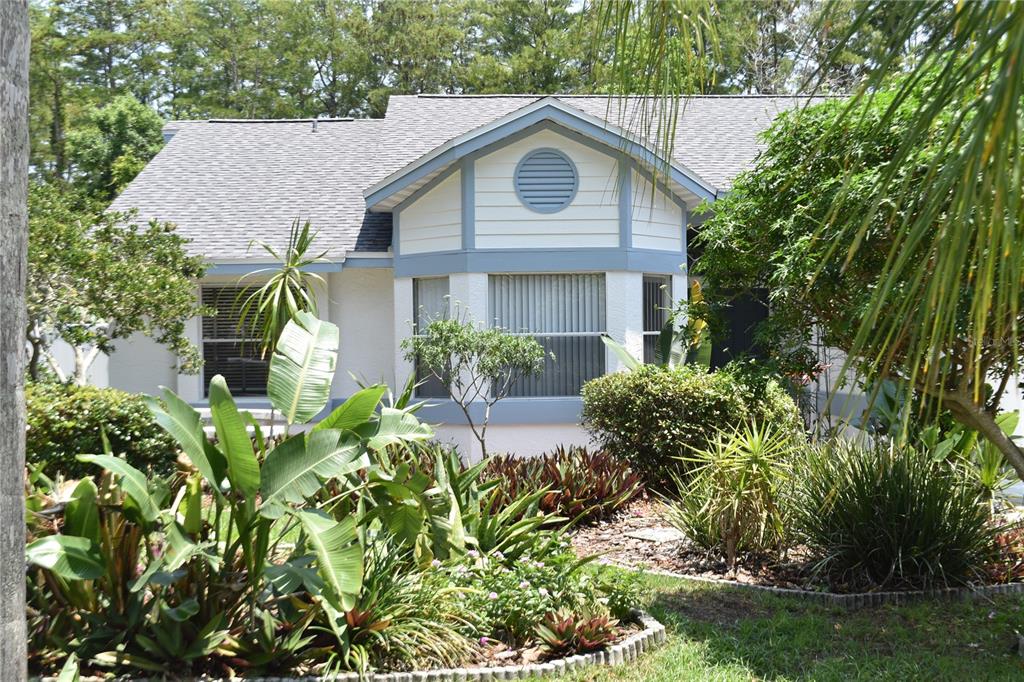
x,y
229,351
566,314
546,180
430,302
657,304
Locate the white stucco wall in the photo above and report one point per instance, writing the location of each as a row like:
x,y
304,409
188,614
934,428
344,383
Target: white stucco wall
x,y
141,365
433,222
361,303
525,440
657,220
503,222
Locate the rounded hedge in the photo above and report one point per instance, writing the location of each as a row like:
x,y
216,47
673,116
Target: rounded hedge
x,y
65,420
653,415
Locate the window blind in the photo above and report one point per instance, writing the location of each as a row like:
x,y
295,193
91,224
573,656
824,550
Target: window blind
x,y
228,350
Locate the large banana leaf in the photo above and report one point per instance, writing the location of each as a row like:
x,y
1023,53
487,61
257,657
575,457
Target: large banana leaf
x,y
294,469
233,439
179,419
302,368
398,426
81,513
338,552
355,411
133,482
70,557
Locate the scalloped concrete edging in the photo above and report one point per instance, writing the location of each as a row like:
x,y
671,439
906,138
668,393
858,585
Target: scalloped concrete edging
x,y
855,600
626,651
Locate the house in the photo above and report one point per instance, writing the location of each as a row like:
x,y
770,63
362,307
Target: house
x,y
549,216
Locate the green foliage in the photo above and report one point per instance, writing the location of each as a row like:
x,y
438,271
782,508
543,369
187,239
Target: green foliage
x,y
651,416
732,500
113,144
580,485
302,367
95,277
65,421
474,363
886,516
289,290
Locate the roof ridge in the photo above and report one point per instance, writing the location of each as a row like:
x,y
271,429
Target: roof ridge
x,y
592,96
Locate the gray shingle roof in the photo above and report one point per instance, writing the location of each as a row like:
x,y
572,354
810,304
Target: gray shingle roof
x,y
226,183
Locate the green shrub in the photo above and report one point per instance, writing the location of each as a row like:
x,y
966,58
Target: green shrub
x,y
885,516
65,420
652,416
581,484
732,501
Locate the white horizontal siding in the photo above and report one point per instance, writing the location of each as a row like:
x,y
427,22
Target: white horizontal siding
x,y
657,220
434,221
502,222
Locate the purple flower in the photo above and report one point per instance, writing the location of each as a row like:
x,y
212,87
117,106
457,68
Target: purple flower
x,y
483,641
473,553
435,563
492,596
498,555
523,585
543,592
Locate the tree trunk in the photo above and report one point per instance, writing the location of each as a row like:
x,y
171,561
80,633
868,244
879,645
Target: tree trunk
x,y
14,46
974,416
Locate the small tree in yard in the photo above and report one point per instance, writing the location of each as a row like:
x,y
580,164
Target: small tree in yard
x,y
95,277
474,364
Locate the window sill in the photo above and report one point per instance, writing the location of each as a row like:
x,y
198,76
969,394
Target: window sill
x,y
561,410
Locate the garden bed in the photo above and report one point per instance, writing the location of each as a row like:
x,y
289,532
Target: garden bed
x,y
641,635
640,537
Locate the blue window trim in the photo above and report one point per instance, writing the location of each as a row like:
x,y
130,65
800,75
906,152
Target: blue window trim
x,y
539,261
522,411
518,189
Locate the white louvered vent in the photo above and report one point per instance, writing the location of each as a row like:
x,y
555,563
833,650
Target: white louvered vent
x,y
546,180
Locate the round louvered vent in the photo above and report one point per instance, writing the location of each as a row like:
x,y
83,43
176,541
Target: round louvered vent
x,y
546,180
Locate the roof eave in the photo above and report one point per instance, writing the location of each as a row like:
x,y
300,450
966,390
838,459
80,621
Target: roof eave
x,y
392,190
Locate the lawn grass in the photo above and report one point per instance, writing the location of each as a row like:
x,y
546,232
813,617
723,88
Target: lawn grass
x,y
719,633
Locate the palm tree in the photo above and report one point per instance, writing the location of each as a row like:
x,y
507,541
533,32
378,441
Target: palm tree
x,y
13,258
970,218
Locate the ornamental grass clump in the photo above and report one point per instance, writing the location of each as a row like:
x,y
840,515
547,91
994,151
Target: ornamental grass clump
x,y
886,516
732,500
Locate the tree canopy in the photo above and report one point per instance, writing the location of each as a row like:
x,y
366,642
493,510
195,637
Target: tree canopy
x,y
790,223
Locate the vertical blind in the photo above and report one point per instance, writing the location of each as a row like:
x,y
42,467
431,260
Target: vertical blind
x,y
228,350
566,314
430,302
657,301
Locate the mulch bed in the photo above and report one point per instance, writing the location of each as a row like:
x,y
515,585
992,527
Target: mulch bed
x,y
616,541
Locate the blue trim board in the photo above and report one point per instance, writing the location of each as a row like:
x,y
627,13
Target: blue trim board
x,y
382,262
625,203
468,193
442,411
540,115
539,260
247,268
509,411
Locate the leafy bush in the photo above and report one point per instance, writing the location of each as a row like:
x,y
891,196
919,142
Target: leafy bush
x,y
732,502
514,597
652,416
890,516
65,420
580,484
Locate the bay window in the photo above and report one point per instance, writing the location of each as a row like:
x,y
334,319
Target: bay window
x,y
657,303
430,302
566,314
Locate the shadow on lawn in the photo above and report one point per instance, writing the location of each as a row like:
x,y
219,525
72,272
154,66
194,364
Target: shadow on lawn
x,y
776,637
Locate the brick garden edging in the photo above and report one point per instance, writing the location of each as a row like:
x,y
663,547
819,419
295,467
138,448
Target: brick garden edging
x,y
854,600
652,635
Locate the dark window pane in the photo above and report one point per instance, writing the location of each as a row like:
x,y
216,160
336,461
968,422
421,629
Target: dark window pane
x,y
578,359
227,350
